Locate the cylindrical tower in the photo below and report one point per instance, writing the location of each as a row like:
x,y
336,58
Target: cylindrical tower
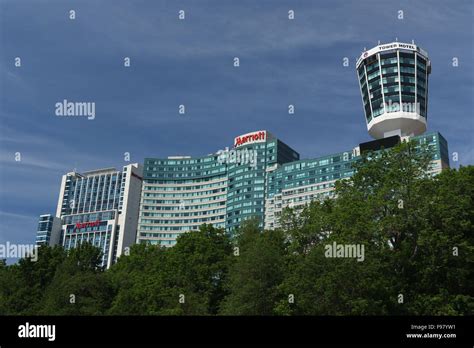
x,y
393,81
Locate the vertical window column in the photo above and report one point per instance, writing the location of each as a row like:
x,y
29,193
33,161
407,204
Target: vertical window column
x,y
381,83
426,89
368,91
400,108
416,83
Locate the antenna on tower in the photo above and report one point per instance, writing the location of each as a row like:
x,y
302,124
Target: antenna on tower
x,y
396,39
378,42
412,41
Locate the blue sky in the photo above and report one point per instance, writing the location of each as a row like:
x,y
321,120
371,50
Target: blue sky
x,y
190,62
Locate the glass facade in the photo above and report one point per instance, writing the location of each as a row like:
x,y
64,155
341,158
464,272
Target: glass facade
x,y
90,208
92,192
44,230
257,178
297,183
98,235
99,207
247,184
439,146
179,195
394,81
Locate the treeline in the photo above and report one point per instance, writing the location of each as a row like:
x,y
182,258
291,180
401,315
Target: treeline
x,y
416,232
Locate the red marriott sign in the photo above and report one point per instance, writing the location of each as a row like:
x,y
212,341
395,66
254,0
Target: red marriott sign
x,y
249,138
80,225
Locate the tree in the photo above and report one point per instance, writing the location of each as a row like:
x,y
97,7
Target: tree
x,y
22,285
199,265
184,280
417,258
443,279
79,286
408,223
257,271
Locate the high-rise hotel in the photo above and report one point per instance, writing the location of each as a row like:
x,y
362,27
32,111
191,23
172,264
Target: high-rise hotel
x,y
181,193
99,207
258,177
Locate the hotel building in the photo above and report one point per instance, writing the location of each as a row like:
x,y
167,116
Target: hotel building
x,y
46,225
99,207
257,178
393,80
181,193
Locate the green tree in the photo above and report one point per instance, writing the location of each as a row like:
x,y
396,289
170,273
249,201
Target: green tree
x,y
416,230
22,285
257,271
79,286
184,280
408,223
443,266
131,278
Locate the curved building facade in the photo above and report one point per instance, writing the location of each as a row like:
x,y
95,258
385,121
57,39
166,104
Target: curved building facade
x,y
247,181
181,193
178,195
257,178
393,80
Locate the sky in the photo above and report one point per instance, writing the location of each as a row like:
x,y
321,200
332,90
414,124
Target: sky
x,y
191,62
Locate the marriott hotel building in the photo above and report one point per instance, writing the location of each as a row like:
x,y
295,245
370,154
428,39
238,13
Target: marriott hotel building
x,y
181,193
257,178
99,207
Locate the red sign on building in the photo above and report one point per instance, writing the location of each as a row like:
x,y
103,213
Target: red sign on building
x,y
80,225
249,138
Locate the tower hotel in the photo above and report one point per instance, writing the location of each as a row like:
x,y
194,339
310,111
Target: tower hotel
x,y
258,177
393,80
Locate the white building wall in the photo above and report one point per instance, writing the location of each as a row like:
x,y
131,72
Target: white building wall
x,y
130,206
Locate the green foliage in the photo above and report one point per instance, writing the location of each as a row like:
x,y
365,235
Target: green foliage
x,y
79,286
184,280
131,277
416,230
257,271
22,285
409,224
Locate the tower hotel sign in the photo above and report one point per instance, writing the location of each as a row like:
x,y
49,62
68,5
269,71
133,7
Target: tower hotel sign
x,y
391,46
250,138
396,45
